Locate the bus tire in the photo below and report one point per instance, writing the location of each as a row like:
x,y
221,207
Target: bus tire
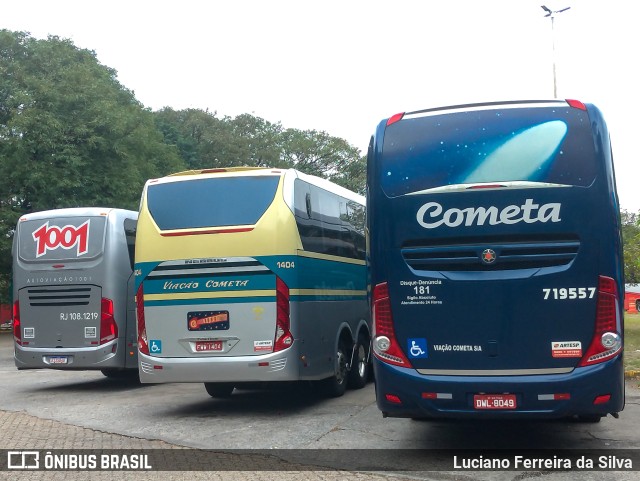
x,y
638,305
360,365
336,385
219,389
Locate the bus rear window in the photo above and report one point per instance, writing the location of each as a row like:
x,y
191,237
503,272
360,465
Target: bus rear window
x,y
551,145
212,202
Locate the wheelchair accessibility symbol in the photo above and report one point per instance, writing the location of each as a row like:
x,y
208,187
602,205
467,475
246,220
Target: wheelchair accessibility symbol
x,y
155,346
417,348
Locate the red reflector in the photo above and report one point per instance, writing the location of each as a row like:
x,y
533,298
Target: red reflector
x,y
394,118
429,395
603,399
576,104
57,266
392,398
263,364
561,396
157,367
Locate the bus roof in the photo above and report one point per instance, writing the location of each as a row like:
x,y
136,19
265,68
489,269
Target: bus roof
x,y
75,212
250,171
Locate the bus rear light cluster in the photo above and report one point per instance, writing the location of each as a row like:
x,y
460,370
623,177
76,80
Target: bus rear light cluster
x,y
385,345
143,343
283,338
17,330
607,341
108,325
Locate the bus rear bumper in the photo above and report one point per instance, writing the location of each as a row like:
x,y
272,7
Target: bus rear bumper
x,y
106,356
279,366
586,391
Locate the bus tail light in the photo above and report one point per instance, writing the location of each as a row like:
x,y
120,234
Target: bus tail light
x,y
284,338
606,342
385,344
143,343
17,331
108,326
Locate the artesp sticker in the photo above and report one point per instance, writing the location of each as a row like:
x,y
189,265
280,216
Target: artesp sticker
x,y
566,349
263,346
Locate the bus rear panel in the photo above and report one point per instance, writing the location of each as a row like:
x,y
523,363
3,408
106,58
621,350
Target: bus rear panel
x,y
73,290
495,263
239,281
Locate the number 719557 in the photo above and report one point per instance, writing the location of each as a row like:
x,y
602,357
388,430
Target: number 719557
x,y
569,293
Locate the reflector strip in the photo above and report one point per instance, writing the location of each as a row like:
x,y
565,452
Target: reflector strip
x,y
392,398
437,395
554,397
605,398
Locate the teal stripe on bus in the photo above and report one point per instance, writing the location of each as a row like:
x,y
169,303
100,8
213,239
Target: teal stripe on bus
x,y
215,300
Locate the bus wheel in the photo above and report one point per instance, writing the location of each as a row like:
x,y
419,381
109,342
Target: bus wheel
x,y
336,385
219,389
638,305
359,372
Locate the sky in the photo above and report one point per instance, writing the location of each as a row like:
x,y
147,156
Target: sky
x,y
341,66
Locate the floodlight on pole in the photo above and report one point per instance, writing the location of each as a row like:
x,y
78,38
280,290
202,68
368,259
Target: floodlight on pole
x,y
551,14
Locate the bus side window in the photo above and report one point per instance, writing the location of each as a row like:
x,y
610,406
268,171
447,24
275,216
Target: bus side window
x,y
130,226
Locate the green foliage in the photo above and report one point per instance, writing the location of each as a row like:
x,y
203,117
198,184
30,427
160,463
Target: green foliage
x,y
632,342
70,134
206,141
631,242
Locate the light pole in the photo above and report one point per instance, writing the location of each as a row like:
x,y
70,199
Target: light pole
x,y
551,15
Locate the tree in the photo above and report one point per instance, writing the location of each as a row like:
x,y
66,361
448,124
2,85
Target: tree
x,y
70,133
206,141
631,243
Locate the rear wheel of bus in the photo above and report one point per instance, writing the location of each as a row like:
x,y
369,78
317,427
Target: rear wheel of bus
x,y
219,389
336,385
360,366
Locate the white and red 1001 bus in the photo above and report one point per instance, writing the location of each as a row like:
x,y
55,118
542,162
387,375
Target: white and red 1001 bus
x,y
73,297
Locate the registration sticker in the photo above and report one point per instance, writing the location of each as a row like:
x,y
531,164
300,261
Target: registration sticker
x,y
29,333
263,346
90,332
566,349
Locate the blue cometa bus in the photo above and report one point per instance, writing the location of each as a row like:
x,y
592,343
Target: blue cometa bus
x,y
495,261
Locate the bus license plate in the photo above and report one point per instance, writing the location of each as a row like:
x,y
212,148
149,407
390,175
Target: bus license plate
x,y
208,346
58,360
494,401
